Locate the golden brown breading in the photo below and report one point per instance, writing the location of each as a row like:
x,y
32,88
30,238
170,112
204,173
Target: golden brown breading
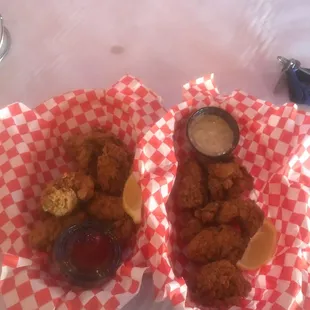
x,y
245,212
228,180
193,228
113,168
106,207
248,214
124,229
215,243
103,156
82,184
208,214
80,150
190,186
190,226
220,284
85,148
44,233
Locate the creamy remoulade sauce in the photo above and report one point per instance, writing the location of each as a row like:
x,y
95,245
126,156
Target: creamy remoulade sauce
x,y
211,135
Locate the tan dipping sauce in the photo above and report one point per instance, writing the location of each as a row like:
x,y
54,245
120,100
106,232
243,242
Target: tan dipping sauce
x,y
211,135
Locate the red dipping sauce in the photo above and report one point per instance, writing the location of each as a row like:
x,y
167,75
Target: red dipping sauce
x,y
87,254
91,253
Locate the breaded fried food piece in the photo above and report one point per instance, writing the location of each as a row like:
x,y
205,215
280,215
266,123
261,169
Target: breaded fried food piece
x,y
208,214
228,180
215,243
220,284
106,207
248,214
124,229
193,228
81,150
58,202
83,185
190,186
62,196
86,148
44,233
245,212
113,168
190,226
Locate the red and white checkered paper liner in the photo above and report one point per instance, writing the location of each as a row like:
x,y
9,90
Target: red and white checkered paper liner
x,y
275,148
31,154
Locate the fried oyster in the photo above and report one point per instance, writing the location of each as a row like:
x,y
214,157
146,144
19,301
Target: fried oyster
x,y
216,243
191,192
219,284
228,180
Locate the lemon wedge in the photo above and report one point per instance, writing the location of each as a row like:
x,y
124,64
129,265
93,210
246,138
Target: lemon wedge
x,y
132,199
261,248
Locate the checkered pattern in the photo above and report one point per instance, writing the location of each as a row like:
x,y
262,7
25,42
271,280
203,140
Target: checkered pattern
x,y
275,148
31,154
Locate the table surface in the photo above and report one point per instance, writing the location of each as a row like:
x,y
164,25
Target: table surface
x,y
59,46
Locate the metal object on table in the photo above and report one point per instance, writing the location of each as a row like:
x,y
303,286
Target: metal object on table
x,y
5,40
298,80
